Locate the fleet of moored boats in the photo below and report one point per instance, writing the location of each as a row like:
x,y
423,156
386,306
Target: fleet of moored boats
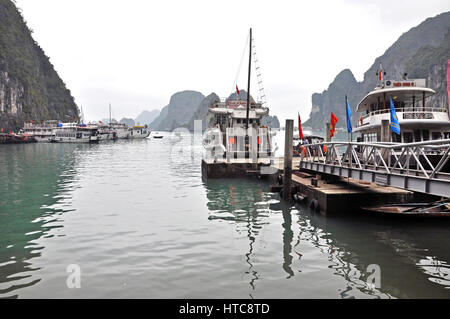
x,y
55,132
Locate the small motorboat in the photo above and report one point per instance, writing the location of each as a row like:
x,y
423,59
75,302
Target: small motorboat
x,y
433,209
157,135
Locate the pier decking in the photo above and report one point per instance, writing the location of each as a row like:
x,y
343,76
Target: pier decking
x,y
341,195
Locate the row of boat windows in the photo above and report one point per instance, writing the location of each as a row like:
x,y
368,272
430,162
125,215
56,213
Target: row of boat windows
x,y
77,135
409,136
223,120
41,130
397,104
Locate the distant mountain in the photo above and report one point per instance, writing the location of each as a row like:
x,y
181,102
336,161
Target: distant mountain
x,y
127,121
422,52
30,88
202,110
180,110
271,121
187,106
106,120
147,117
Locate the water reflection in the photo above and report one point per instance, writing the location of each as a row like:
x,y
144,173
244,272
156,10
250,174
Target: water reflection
x,y
411,256
33,195
234,201
398,247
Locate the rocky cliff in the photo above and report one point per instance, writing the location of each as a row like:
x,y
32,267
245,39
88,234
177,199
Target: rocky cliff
x,y
202,110
271,121
180,110
30,88
127,121
421,52
147,117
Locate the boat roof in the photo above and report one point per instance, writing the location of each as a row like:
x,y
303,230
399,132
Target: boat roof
x,y
239,113
403,93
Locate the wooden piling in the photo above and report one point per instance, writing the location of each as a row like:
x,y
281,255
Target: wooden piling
x,y
327,132
288,153
386,137
327,137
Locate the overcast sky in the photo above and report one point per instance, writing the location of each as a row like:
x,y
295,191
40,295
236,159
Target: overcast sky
x,y
137,53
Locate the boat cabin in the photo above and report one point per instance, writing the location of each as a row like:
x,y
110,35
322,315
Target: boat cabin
x,y
419,120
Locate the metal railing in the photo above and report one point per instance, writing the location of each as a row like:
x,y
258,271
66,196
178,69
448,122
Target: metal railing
x,y
406,110
399,164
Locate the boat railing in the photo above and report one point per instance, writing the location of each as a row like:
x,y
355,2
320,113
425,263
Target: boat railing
x,y
407,110
408,113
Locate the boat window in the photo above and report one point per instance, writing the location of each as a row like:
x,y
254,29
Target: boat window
x,y
417,137
407,137
371,137
426,135
447,135
436,135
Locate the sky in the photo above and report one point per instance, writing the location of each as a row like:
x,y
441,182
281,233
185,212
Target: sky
x,y
135,54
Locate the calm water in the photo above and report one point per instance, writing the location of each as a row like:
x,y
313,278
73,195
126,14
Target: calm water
x,y
138,220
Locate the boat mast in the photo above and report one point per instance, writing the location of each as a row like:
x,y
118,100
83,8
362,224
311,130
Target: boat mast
x,y
109,113
248,84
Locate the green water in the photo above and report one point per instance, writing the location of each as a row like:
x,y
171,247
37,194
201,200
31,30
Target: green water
x,y
138,220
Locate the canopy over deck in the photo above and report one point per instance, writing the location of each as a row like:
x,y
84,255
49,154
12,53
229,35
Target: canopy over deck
x,y
404,94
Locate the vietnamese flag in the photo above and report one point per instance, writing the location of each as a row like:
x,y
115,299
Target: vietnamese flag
x,y
333,120
300,130
237,90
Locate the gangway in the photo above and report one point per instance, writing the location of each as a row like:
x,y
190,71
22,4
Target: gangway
x,y
417,167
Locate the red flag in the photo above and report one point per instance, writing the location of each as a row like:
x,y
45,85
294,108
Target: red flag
x,y
31,121
333,120
300,130
237,90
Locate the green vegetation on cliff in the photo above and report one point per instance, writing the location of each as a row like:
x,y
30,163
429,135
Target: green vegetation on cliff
x,y
30,88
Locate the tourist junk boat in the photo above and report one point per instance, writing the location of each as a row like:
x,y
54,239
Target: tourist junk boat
x,y
308,138
419,121
121,131
13,138
234,126
138,132
227,129
76,133
41,132
105,132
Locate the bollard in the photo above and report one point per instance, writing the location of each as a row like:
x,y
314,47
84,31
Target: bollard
x,y
288,139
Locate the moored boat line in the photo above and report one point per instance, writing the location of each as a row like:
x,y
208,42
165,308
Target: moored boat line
x,y
57,132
